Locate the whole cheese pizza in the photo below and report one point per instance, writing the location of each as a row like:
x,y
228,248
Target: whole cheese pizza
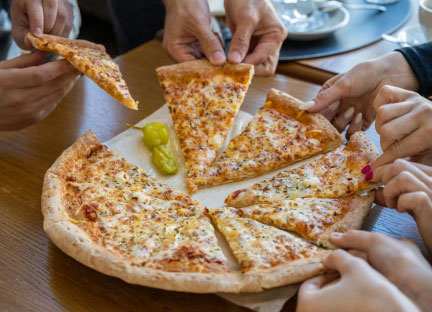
x,y
279,135
336,174
203,100
90,59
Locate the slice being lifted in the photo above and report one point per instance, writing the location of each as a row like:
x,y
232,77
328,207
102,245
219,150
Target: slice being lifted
x,y
90,59
279,134
336,174
313,218
109,215
203,100
268,256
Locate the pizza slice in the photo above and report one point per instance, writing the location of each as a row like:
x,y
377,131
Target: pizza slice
x,y
313,218
203,100
111,216
268,256
90,59
335,174
279,134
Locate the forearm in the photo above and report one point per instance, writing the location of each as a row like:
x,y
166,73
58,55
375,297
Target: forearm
x,y
420,59
418,287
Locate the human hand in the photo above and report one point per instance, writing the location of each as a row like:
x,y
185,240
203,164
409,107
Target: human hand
x,y
258,34
408,188
404,123
53,17
188,33
400,261
356,290
347,99
29,91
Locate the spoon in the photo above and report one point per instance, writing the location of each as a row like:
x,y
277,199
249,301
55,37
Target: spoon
x,y
396,40
331,6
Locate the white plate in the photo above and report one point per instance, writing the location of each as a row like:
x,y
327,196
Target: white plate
x,y
336,20
412,33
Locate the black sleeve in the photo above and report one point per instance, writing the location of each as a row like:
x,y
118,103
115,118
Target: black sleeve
x,y
420,59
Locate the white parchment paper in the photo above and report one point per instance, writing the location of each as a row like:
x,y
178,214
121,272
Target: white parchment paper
x,y
129,144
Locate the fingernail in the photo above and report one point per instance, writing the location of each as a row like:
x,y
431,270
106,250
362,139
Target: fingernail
x,y
38,32
218,57
369,176
366,169
333,106
358,118
336,235
349,112
306,105
235,57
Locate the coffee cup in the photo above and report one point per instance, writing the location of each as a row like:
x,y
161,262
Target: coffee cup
x,y
425,18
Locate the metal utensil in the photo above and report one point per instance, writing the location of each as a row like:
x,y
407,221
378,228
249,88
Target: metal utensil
x,y
403,43
330,6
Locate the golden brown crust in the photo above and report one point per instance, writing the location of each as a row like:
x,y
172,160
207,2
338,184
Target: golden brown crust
x,y
290,273
71,50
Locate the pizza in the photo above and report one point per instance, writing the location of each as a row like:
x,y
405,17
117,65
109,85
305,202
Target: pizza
x,y
203,100
109,215
278,135
335,174
90,59
267,256
313,218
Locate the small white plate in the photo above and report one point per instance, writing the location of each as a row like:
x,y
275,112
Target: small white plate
x,y
334,21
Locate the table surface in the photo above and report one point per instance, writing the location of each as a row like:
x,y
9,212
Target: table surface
x,y
34,274
318,70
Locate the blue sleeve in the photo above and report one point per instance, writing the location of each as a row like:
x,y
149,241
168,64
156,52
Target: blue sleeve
x,y
420,59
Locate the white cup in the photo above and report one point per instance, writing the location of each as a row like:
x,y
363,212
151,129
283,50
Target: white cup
x,y
425,18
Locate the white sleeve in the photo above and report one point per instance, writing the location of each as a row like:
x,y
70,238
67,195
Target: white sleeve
x,y
77,20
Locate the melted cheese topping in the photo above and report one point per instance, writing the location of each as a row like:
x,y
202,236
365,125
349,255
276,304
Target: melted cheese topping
x,y
270,141
336,174
203,108
308,217
258,246
139,219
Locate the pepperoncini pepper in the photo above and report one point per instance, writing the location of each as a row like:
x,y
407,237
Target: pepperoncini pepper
x,y
155,137
164,159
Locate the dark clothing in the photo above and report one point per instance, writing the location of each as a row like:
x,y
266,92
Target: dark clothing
x,y
136,21
420,59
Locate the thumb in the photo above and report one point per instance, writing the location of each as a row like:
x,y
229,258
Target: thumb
x,y
325,97
240,42
36,17
24,61
211,46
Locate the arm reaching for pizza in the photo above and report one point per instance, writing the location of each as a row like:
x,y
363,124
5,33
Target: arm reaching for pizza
x,y
408,188
355,290
404,123
53,17
30,91
257,33
347,99
400,261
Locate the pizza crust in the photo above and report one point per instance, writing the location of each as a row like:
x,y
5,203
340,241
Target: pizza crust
x,y
294,272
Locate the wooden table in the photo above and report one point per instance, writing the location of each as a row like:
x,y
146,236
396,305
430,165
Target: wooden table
x,y
318,70
34,274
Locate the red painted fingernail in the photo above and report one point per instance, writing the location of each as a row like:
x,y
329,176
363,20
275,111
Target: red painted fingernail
x,y
369,176
366,169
